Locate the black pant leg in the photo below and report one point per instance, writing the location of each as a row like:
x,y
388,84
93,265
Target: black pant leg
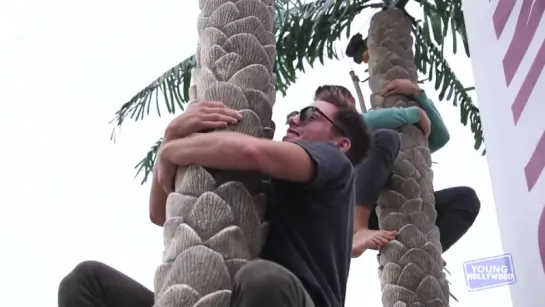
x,y
263,283
457,209
94,284
373,173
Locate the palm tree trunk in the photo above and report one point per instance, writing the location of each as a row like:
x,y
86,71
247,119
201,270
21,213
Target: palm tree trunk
x,y
411,267
215,218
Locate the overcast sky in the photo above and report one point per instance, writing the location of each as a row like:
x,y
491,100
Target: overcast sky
x,y
68,193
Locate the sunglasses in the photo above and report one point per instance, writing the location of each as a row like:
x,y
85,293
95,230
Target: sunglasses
x,y
308,114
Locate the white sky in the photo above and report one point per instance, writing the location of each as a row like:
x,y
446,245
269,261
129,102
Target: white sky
x,y
68,194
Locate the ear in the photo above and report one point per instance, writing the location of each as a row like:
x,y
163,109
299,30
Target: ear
x,y
344,144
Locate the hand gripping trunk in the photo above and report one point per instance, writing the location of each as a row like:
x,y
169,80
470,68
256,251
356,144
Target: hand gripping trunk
x,y
215,218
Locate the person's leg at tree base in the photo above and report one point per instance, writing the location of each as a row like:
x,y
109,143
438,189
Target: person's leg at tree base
x,y
260,283
457,209
371,177
94,284
266,284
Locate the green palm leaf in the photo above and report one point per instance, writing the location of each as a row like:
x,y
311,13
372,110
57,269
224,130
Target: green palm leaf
x,y
146,165
307,33
440,16
167,85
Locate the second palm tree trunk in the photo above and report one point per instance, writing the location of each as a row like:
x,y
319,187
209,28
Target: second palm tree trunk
x,y
411,268
215,218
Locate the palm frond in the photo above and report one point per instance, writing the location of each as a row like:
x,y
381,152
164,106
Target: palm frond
x,y
430,60
167,86
442,15
173,85
305,32
453,297
310,33
147,163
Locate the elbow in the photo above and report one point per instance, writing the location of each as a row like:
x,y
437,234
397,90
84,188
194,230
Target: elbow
x,y
169,151
157,219
157,203
446,137
157,206
175,152
439,141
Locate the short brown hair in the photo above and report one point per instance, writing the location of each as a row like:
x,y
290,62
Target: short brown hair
x,y
348,118
335,94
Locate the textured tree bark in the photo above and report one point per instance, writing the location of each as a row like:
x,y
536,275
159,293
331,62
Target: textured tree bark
x,y
215,218
411,267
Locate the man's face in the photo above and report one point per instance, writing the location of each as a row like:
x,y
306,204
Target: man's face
x,y
315,128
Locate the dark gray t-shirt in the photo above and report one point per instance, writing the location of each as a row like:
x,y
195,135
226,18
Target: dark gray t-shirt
x,y
312,225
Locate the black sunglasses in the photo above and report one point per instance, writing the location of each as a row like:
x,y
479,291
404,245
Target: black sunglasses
x,y
307,115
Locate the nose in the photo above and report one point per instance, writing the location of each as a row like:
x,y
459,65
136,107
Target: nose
x,y
294,121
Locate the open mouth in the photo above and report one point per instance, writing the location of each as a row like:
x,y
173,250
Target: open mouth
x,y
294,132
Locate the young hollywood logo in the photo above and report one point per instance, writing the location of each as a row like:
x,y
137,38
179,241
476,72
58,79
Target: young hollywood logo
x,y
489,272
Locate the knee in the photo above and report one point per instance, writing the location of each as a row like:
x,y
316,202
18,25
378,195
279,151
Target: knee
x,y
78,276
471,201
386,142
262,277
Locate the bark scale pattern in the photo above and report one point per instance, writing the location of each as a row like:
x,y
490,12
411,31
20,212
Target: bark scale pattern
x,y
411,267
215,218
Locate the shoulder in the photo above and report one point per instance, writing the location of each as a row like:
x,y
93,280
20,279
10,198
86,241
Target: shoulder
x,y
326,154
322,149
332,167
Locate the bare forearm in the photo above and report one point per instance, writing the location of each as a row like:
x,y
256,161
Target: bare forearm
x,y
174,151
157,202
221,150
158,195
235,151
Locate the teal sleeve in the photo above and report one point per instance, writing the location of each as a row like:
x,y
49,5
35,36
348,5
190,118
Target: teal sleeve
x,y
391,118
439,135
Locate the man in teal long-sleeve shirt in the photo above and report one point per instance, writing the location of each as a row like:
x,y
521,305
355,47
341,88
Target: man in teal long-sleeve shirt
x,y
425,116
457,207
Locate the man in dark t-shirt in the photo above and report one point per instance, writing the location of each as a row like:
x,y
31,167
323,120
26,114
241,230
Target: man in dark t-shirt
x,y
306,257
310,229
